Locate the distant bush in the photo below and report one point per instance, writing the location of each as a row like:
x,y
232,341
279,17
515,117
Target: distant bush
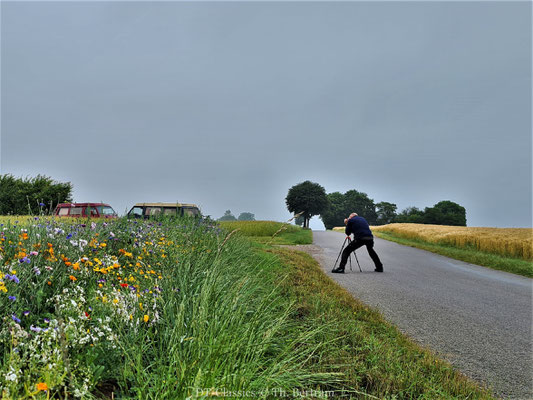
x,y
228,216
443,213
23,196
246,216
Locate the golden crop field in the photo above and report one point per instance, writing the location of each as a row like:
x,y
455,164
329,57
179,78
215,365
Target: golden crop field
x,y
513,242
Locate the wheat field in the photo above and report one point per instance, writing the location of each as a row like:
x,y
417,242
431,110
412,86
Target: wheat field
x,y
510,242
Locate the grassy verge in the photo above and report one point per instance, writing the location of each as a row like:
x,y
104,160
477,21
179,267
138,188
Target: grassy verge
x,y
270,232
373,359
369,357
473,256
178,309
168,309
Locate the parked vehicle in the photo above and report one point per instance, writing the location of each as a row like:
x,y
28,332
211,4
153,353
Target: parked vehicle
x,y
147,210
85,210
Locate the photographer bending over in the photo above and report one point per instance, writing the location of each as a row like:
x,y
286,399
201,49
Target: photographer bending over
x,y
362,236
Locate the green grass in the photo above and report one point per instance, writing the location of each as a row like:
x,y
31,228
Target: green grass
x,y
373,358
219,313
211,316
470,255
370,357
270,232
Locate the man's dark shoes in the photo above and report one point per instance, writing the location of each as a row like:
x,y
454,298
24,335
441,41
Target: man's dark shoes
x,y
379,269
338,270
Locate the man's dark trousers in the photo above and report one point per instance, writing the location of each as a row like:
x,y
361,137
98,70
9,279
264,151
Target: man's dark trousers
x,y
354,245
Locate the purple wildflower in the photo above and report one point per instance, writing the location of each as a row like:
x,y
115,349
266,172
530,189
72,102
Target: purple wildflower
x,y
12,278
26,313
12,298
35,328
14,318
46,320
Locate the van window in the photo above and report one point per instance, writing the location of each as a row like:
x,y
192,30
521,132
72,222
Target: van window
x,y
63,211
136,212
75,210
170,211
191,211
153,211
105,210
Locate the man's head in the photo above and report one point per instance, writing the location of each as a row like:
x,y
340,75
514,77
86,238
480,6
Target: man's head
x,y
351,216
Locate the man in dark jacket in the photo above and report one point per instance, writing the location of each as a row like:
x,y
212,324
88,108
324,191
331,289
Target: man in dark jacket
x,y
362,236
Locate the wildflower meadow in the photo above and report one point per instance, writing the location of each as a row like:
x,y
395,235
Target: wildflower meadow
x,y
139,309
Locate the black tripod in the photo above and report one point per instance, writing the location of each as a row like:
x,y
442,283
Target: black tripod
x,y
350,258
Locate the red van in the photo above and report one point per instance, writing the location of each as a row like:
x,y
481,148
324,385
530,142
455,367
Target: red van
x,y
85,210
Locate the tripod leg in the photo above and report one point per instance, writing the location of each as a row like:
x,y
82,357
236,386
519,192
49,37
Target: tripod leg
x,y
357,262
350,256
340,252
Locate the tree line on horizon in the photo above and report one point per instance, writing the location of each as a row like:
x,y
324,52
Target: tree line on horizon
x,y
309,199
244,216
31,196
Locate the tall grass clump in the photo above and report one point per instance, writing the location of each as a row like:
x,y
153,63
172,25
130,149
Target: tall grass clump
x,y
259,228
144,309
270,232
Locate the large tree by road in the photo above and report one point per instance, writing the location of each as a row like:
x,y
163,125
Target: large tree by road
x,y
340,206
386,212
308,198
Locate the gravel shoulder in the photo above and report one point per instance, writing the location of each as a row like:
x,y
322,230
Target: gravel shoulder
x,y
478,319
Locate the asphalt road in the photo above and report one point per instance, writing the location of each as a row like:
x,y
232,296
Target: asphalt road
x,y
477,318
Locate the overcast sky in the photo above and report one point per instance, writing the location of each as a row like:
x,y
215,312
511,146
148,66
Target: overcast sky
x,y
228,105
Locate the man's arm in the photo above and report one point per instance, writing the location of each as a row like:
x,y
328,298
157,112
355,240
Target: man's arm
x,y
348,231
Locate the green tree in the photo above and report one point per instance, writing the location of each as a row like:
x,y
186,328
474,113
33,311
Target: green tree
x,y
340,206
410,215
306,197
246,216
228,216
361,204
299,220
21,196
386,212
334,214
445,213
